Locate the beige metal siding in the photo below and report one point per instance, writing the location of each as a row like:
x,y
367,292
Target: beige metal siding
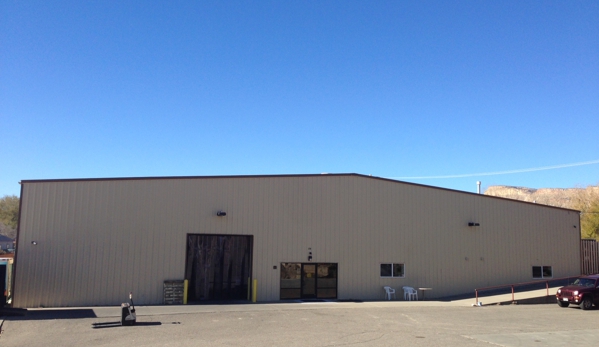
x,y
99,240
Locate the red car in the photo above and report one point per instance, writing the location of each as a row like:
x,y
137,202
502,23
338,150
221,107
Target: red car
x,y
584,292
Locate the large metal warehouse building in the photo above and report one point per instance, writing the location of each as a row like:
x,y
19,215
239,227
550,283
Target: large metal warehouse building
x,y
90,242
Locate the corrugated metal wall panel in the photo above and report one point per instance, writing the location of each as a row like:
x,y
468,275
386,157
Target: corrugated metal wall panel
x,y
589,256
98,240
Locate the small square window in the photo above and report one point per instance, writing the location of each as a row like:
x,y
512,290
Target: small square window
x,y
397,270
386,270
542,272
392,270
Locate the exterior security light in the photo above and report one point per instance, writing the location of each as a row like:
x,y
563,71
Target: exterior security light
x,y
471,224
221,213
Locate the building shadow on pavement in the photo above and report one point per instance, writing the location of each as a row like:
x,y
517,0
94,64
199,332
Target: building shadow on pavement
x,y
48,313
117,324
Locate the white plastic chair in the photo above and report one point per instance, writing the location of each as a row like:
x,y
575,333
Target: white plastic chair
x,y
388,292
410,293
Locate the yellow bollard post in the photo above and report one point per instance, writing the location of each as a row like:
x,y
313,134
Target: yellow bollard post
x,y
255,291
185,284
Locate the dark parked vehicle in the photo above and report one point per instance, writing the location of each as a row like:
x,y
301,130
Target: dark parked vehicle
x,y
584,292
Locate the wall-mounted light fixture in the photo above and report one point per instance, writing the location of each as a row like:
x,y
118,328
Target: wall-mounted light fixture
x,y
221,213
34,243
472,224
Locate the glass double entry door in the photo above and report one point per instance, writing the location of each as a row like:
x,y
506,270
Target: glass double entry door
x,y
308,281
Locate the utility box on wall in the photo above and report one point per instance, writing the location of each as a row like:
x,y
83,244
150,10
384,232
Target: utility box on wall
x,y
173,292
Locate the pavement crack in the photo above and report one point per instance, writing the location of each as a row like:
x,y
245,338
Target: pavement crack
x,y
410,318
356,342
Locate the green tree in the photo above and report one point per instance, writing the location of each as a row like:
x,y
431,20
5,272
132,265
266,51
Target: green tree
x,y
9,210
587,201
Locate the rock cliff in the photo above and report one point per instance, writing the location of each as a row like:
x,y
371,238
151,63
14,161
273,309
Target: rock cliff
x,y
547,196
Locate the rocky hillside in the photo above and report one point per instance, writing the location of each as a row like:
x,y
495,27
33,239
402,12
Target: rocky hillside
x,y
547,196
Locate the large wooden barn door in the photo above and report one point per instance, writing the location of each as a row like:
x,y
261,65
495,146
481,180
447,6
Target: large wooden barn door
x,y
218,266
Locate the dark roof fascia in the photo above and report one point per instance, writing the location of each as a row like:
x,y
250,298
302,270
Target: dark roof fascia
x,y
4,238
176,178
61,180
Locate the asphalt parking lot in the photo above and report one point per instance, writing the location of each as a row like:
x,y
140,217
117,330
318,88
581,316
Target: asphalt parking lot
x,y
310,324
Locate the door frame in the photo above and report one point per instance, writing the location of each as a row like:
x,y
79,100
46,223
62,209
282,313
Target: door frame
x,y
302,295
304,280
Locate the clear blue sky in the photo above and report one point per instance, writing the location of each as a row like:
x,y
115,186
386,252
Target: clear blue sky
x,y
389,88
